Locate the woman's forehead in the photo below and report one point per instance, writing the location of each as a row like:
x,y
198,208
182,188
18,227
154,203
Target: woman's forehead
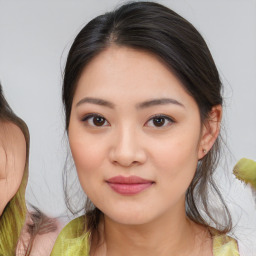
x,y
129,74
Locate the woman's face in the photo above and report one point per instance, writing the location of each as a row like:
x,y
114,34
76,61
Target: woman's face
x,y
135,136
12,161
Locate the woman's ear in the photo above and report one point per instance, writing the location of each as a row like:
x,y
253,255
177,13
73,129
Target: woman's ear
x,y
210,131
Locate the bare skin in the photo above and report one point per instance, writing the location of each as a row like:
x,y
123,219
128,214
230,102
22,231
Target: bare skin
x,y
12,161
189,240
132,117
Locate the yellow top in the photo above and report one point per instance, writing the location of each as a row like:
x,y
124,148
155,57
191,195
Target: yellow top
x,y
74,241
225,246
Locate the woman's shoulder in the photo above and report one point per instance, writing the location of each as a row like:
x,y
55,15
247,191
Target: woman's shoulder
x,y
224,245
73,239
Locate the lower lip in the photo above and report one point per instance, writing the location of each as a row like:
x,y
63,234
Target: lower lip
x,y
129,189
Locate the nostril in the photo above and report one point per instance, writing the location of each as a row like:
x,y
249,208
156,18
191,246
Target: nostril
x,y
125,163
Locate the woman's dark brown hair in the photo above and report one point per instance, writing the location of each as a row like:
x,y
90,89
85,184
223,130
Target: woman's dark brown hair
x,y
154,28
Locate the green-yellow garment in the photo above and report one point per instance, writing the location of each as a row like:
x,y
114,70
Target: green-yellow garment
x,y
72,241
245,170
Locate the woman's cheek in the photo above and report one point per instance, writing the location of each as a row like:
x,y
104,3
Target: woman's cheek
x,y
87,157
175,156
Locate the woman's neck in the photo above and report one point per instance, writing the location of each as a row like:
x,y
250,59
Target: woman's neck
x,y
168,235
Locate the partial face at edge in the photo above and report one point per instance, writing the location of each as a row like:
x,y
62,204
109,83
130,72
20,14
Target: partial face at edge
x,y
132,117
12,161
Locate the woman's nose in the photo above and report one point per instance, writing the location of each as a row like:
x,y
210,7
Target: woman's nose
x,y
127,149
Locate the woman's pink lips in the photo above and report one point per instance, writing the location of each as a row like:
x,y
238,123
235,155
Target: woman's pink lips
x,y
128,185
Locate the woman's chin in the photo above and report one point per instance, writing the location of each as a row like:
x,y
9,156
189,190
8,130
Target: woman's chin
x,y
129,218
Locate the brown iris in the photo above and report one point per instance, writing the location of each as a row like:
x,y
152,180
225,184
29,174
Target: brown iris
x,y
98,121
159,121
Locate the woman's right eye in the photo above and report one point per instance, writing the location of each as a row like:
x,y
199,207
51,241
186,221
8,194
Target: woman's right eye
x,y
95,120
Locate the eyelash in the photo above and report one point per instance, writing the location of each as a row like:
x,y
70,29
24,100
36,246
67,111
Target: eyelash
x,y
159,116
87,118
91,116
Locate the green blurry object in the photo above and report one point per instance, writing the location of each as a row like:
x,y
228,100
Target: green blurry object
x,y
245,170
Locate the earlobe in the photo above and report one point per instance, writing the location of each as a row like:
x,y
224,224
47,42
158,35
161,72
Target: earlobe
x,y
210,131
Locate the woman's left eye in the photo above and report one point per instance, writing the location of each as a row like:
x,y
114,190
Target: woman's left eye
x,y
160,121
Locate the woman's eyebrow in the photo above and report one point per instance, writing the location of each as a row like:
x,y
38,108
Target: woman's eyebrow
x,y
145,104
96,101
162,101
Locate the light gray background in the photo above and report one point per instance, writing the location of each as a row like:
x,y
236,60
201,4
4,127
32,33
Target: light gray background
x,y
34,39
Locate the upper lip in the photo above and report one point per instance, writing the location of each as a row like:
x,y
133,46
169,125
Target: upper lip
x,y
128,180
